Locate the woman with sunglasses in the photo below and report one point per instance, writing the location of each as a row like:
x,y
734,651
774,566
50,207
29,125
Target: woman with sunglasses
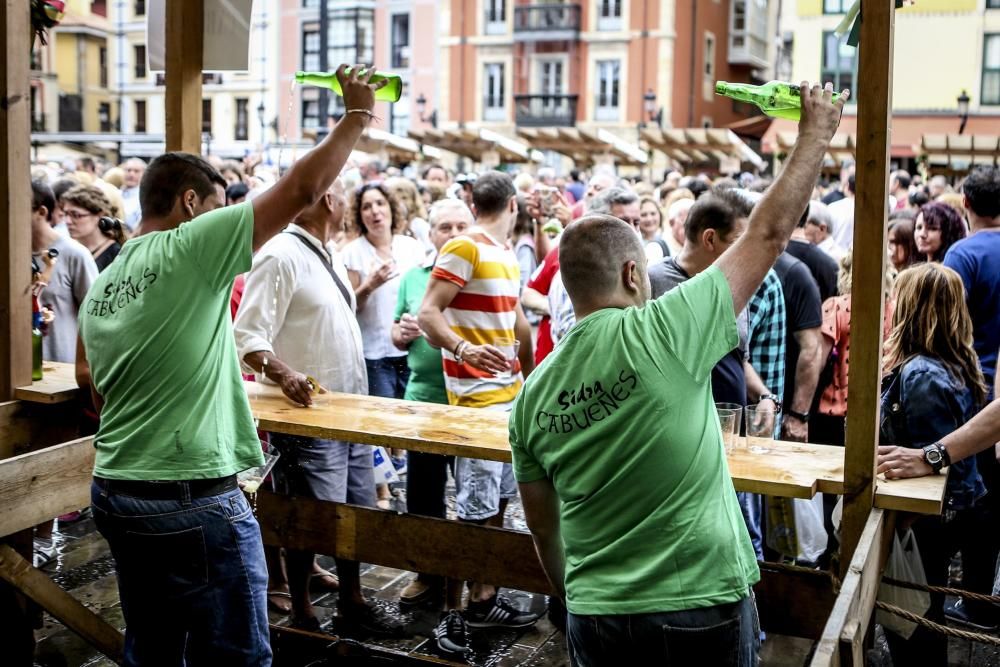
x,y
934,386
91,220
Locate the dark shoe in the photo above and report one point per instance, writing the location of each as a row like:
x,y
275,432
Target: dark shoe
x,y
959,612
421,590
452,633
371,619
308,624
498,612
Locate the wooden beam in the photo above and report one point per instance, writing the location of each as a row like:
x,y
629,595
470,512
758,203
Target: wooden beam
x,y
15,197
58,385
68,610
184,49
403,541
42,485
867,298
843,636
794,602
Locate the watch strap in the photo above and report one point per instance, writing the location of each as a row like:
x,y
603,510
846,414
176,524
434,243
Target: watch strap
x,y
775,398
801,416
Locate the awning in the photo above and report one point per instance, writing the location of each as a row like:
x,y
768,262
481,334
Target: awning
x,y
702,146
842,147
480,145
908,130
584,146
395,147
950,153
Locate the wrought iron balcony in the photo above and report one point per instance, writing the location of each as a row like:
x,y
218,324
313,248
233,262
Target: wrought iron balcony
x,y
545,110
546,22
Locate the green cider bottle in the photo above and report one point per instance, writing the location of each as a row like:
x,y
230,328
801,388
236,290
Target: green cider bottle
x,y
391,92
36,346
775,98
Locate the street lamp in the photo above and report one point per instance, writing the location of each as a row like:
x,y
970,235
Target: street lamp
x,y
963,110
421,107
261,110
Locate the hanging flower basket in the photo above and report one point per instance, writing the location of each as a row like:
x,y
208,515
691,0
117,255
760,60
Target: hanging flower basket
x,y
45,14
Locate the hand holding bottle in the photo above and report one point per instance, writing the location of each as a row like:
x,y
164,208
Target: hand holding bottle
x,y
820,114
359,92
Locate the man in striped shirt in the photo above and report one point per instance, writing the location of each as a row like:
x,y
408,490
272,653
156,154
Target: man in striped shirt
x,y
471,311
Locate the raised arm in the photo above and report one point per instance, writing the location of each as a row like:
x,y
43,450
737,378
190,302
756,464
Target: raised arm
x,y
315,172
775,216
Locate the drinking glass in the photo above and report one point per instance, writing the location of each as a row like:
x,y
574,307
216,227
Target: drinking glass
x,y
729,421
508,347
251,478
760,427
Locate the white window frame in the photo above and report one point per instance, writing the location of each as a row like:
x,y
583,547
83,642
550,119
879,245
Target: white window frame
x,y
498,91
491,24
609,14
607,112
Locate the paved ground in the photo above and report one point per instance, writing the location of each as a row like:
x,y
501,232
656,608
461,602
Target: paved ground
x,y
84,567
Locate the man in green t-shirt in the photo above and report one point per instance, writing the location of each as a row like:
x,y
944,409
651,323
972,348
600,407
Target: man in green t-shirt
x,y
175,421
617,446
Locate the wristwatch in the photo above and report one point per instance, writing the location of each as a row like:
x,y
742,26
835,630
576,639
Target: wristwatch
x,y
936,456
773,397
801,416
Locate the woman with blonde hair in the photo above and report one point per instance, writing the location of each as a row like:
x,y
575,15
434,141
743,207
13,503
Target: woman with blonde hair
x,y
93,221
413,210
933,386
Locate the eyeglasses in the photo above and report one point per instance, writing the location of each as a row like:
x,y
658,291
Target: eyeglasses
x,y
78,215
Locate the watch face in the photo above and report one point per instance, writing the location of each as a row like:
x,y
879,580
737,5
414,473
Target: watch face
x,y
933,456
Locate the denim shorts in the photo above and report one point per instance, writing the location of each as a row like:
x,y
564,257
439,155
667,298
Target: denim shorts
x,y
191,578
480,485
333,470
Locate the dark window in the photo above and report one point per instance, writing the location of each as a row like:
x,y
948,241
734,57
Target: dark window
x,y
991,68
70,113
206,115
140,116
607,9
350,39
400,40
139,8
310,47
494,102
139,51
99,8
242,118
992,4
840,64
104,116
37,119
836,6
496,11
103,58
310,108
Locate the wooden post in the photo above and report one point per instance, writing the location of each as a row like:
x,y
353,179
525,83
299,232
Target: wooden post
x,y
15,198
184,48
867,298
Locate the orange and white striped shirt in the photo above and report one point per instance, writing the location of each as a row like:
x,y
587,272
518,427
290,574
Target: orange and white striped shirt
x,y
486,308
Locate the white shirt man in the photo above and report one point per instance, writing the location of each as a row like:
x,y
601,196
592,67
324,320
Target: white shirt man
x,y
134,169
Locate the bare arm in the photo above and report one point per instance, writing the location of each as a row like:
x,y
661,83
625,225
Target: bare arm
x,y
807,370
293,384
534,300
440,294
525,353
541,511
775,216
82,372
315,172
364,288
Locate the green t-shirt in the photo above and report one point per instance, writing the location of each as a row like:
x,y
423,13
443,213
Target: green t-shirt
x,y
620,418
426,371
159,340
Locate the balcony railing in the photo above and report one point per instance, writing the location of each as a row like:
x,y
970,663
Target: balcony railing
x,y
545,110
554,21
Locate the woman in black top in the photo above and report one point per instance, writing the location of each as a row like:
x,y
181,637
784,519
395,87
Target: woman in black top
x,y
92,221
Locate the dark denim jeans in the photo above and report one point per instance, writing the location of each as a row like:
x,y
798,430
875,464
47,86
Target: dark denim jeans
x,y
191,577
726,635
387,377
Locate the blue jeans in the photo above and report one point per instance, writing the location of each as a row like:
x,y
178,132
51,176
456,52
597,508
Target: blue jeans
x,y
726,635
387,377
191,577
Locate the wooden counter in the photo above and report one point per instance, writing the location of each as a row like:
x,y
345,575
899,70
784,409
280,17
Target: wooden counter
x,y
787,469
58,385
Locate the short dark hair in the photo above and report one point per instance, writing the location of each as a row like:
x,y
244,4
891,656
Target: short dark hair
x,y
717,210
698,187
41,195
592,252
918,198
938,215
491,192
982,189
851,185
236,191
62,186
169,176
398,223
903,178
433,165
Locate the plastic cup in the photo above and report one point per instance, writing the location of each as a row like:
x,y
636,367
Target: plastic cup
x,y
760,423
251,478
508,347
729,421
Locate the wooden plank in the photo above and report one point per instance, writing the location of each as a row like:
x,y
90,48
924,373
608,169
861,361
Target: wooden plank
x,y
68,610
41,485
15,429
15,197
184,49
402,541
842,638
867,299
58,385
923,495
787,469
796,603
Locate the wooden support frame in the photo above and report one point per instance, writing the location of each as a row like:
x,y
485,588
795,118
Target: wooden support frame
x,y
15,198
184,51
867,296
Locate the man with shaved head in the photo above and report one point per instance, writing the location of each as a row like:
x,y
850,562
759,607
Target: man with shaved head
x,y
617,447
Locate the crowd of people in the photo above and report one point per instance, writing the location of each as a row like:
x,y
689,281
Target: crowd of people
x,y
606,315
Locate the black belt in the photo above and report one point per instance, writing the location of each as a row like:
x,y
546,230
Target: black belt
x,y
171,490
